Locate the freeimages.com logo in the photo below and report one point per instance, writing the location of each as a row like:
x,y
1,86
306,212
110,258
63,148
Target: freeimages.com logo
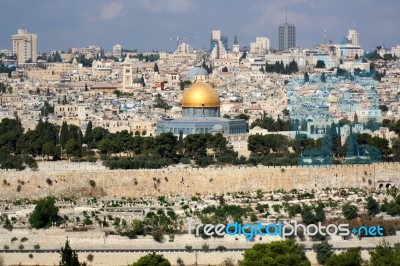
x,y
284,230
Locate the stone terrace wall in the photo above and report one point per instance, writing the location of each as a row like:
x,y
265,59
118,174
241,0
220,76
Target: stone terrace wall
x,y
174,181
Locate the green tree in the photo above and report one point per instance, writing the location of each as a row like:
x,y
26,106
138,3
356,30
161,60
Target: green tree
x,y
323,78
10,132
320,64
320,213
349,211
166,144
277,253
381,144
64,134
218,143
396,149
323,250
292,67
152,260
307,215
156,68
143,82
29,143
383,108
351,257
88,133
72,148
117,93
49,149
196,145
98,134
294,209
384,254
69,256
44,214
306,77
161,103
372,206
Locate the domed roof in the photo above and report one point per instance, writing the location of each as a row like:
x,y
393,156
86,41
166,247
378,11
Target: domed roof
x,y
217,128
200,95
389,114
196,71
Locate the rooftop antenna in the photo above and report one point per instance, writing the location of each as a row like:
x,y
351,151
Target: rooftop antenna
x,y
354,23
286,15
325,34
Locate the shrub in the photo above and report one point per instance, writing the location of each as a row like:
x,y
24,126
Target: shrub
x,y
152,259
90,257
180,262
349,211
205,247
323,250
36,246
92,183
220,248
49,182
158,235
7,224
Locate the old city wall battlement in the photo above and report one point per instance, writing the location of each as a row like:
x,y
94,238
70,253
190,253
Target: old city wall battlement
x,y
189,181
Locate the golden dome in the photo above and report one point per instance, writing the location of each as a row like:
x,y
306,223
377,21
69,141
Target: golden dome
x,y
200,95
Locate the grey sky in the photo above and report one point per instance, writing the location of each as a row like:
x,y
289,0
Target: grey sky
x,y
149,24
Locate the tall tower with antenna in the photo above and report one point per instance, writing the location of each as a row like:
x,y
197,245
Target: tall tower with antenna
x,y
353,35
287,35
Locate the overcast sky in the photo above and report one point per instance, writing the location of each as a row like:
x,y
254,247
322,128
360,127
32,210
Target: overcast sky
x,y
149,24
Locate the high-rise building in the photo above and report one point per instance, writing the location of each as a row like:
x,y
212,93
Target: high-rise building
x,y
287,36
260,47
353,36
218,45
117,51
24,46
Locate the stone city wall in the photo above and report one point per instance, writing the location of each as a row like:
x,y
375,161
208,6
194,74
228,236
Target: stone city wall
x,y
189,181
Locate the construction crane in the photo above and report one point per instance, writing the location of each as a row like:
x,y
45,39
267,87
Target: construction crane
x,y
178,39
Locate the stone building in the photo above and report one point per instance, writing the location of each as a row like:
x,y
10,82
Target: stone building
x,y
201,114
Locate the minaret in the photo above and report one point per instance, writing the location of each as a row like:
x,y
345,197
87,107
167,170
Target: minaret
x,y
235,46
127,75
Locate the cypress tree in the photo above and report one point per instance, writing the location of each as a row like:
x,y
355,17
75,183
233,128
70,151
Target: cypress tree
x,y
69,256
64,134
156,68
88,133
